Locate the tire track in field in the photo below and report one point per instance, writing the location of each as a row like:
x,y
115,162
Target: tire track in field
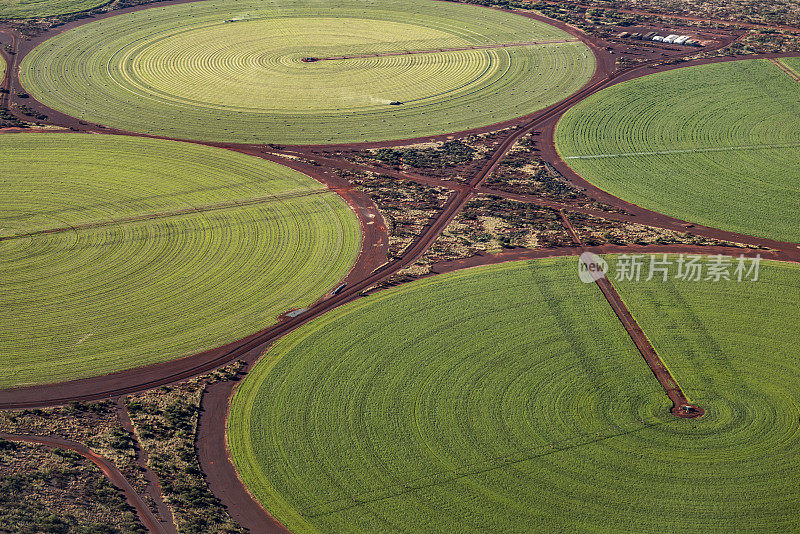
x,y
443,477
690,150
785,68
438,50
167,214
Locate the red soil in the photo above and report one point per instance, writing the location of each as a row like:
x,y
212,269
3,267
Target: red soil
x,y
221,475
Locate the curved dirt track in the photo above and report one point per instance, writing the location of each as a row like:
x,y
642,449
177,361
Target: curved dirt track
x,y
221,475
153,485
371,267
106,466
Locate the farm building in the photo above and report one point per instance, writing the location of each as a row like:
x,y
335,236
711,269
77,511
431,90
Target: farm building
x,y
649,35
658,38
682,39
671,38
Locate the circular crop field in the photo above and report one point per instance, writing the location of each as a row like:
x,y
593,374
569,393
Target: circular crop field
x,y
26,9
715,144
510,399
158,250
235,71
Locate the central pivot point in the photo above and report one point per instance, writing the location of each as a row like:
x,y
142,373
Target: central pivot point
x,y
688,411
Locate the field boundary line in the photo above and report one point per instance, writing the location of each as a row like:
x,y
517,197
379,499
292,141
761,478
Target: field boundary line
x,y
686,150
173,213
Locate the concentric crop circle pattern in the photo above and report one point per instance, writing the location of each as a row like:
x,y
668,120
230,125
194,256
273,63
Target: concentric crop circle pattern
x,y
233,70
133,292
510,399
714,144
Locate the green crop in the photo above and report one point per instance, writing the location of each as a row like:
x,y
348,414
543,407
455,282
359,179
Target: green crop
x,y
233,70
26,9
717,145
510,399
166,249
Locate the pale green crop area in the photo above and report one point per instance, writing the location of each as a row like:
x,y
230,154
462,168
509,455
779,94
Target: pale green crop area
x,y
717,145
195,247
510,399
25,9
233,70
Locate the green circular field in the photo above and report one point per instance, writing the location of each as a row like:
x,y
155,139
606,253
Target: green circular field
x,y
717,145
510,399
26,9
233,71
169,249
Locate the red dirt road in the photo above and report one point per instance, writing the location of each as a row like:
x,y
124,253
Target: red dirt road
x,y
681,407
680,404
106,466
221,475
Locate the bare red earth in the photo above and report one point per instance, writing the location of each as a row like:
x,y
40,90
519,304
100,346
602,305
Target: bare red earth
x,y
221,475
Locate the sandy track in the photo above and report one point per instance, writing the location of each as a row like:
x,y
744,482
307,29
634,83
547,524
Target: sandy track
x,y
106,466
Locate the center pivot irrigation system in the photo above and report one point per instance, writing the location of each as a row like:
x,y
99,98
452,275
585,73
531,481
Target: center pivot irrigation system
x,y
114,81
